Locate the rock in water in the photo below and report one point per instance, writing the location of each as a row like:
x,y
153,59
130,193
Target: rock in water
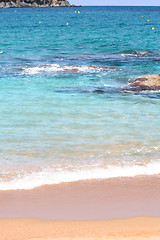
x,y
146,82
34,3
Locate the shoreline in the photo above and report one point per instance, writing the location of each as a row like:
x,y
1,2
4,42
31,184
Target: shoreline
x,y
35,3
85,200
119,229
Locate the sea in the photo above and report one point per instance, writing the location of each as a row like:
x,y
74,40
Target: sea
x,y
64,116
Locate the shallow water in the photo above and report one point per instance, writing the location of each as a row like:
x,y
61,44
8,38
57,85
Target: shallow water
x,y
63,114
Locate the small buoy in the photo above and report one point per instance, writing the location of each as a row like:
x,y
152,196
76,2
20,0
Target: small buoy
x,y
141,16
75,11
67,23
15,11
78,11
152,28
148,20
39,22
37,15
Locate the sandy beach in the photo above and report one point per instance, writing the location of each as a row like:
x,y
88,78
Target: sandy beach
x,y
110,209
85,200
117,209
124,229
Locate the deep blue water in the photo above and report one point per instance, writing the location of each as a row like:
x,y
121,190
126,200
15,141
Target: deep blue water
x,y
62,115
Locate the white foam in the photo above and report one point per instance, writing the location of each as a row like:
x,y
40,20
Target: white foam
x,y
135,54
50,176
49,68
1,52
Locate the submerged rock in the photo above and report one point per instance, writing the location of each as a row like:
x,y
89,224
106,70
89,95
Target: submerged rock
x,y
34,3
146,82
103,67
88,67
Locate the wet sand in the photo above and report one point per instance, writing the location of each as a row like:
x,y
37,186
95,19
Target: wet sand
x,y
85,200
81,211
124,229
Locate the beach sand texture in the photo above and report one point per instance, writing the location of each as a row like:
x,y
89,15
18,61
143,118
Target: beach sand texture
x,y
82,210
124,229
85,200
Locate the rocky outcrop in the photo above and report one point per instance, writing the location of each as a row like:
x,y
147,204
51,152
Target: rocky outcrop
x,y
103,67
34,3
146,82
90,67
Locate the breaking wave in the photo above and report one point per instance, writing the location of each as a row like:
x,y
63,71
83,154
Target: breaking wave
x,y
139,54
52,175
65,68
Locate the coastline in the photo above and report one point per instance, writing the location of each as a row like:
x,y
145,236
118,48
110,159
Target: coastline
x,y
112,209
120,229
35,3
85,200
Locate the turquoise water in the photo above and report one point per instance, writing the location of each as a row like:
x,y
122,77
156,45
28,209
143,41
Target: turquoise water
x,y
61,119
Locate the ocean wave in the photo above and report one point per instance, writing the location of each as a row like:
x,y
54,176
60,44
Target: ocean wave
x,y
114,56
51,68
139,54
52,175
1,52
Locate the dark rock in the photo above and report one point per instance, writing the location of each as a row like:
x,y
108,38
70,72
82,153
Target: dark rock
x,y
33,3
